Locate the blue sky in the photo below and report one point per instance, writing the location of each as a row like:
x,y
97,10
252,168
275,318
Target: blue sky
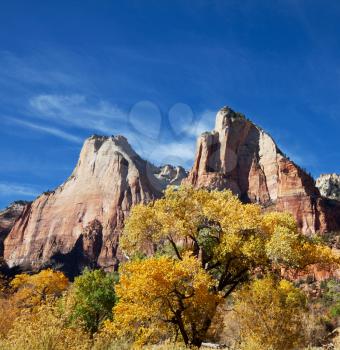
x,y
157,72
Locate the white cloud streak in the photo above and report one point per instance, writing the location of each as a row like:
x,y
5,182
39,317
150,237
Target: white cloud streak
x,y
47,130
76,110
181,152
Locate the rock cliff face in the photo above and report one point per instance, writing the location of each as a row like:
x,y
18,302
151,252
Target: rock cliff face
x,y
79,223
8,217
329,186
240,156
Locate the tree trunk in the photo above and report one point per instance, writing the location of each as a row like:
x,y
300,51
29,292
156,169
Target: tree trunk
x,y
182,329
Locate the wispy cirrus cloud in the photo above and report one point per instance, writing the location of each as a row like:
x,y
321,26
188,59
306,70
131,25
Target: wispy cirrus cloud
x,y
43,68
76,110
204,122
173,152
47,130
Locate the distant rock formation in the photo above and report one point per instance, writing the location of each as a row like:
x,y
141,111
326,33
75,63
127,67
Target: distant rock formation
x,y
79,223
329,186
170,175
240,156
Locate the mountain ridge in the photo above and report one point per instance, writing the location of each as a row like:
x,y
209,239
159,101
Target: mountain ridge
x,y
79,223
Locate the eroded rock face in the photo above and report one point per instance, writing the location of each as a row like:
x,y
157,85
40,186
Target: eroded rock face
x,y
329,186
8,217
79,223
240,156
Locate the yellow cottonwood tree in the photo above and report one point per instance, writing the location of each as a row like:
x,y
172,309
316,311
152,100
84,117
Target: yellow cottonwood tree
x,y
231,239
161,296
32,290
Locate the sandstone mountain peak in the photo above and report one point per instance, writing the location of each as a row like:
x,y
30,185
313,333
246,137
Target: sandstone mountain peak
x,y
81,220
119,141
240,156
225,116
171,175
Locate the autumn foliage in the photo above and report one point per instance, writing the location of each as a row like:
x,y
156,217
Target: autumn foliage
x,y
33,290
161,297
230,241
270,314
194,258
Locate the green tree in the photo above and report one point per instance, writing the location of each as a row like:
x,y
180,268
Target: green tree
x,y
91,298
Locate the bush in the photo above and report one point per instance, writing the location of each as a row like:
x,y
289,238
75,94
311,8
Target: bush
x,y
44,329
91,299
331,296
270,315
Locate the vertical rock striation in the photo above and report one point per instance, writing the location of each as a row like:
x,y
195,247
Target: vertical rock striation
x,y
80,222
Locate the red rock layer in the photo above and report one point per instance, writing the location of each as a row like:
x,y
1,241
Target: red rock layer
x,y
80,222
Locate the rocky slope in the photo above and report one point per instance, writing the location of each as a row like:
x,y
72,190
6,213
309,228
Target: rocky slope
x,y
329,186
79,223
240,156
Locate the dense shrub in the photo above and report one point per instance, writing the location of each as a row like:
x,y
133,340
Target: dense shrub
x,y
91,299
270,314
